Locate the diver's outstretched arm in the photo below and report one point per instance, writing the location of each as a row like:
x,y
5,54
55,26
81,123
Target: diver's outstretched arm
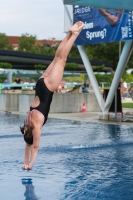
x,y
34,148
27,156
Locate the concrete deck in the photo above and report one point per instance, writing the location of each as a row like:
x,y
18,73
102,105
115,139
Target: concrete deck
x,y
92,117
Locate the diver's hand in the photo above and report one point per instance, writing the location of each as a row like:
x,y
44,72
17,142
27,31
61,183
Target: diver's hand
x,y
26,167
29,168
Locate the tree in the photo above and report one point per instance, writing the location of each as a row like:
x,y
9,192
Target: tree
x,y
74,53
108,52
5,43
49,51
27,43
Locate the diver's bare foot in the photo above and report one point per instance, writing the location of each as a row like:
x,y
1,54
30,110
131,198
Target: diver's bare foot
x,y
77,27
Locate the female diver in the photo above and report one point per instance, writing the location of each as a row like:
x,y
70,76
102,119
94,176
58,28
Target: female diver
x,y
45,87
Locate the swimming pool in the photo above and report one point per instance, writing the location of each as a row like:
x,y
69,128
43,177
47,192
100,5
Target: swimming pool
x,y
76,160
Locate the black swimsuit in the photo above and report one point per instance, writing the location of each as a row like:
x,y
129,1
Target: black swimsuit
x,y
45,96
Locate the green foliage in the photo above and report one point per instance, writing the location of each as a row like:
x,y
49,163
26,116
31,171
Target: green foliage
x,y
5,43
74,53
2,78
104,78
49,51
98,68
82,77
27,43
71,66
127,105
79,79
100,78
73,79
127,78
39,67
69,79
108,52
5,65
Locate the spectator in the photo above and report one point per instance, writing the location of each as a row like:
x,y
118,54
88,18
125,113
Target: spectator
x,y
5,83
18,81
84,90
125,88
85,84
122,86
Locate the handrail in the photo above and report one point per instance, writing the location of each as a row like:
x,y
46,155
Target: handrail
x,y
7,85
17,85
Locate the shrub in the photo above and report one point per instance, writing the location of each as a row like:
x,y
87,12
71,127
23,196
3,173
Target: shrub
x,y
2,78
5,65
98,68
104,78
71,66
39,67
127,78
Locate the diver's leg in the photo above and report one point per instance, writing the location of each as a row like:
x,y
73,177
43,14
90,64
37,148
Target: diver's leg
x,y
55,75
61,45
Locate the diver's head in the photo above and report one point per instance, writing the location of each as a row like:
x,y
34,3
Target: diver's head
x,y
27,132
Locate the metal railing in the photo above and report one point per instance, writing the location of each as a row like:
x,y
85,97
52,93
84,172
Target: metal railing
x,y
30,85
14,85
107,85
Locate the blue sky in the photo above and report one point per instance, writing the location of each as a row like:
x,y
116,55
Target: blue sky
x,y
43,18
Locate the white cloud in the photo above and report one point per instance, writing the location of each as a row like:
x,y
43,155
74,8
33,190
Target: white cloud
x,y
43,18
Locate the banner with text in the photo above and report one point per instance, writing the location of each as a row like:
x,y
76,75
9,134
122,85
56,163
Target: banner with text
x,y
102,26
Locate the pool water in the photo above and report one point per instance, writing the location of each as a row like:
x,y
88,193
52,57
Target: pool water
x,y
76,160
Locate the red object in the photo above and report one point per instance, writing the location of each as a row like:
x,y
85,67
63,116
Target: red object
x,y
62,85
57,90
83,108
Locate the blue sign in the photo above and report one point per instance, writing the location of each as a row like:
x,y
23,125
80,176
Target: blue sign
x,y
102,26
